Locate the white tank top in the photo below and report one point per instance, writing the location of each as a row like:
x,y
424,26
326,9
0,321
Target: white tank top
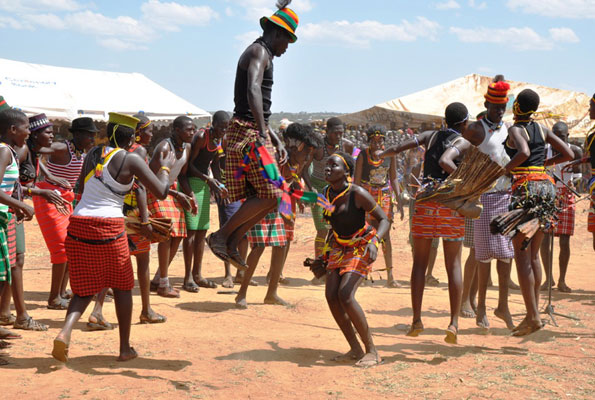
x,y
493,146
98,200
179,164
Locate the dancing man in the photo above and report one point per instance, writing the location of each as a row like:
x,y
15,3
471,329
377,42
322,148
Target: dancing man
x,y
590,149
249,133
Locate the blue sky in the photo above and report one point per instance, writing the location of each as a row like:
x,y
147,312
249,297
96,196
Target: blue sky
x,y
349,56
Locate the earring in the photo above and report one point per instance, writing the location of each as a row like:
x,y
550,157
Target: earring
x,y
137,139
349,179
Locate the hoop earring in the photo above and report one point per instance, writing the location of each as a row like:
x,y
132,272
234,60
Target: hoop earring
x,y
137,139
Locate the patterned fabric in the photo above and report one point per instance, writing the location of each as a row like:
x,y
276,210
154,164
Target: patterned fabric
x,y
565,225
11,176
269,232
351,258
591,217
383,197
93,267
11,239
168,208
239,136
201,190
4,252
70,171
435,241
535,185
142,244
53,225
488,246
469,232
433,220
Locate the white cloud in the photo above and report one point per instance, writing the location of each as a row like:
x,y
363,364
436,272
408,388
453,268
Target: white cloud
x,y
477,6
518,39
169,16
123,27
229,11
555,8
363,33
12,23
447,5
246,38
255,9
119,45
563,35
50,21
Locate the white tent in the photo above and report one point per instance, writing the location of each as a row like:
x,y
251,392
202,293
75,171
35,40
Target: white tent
x,y
68,93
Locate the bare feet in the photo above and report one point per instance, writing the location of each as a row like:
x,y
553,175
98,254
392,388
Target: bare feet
x,y
60,350
227,282
369,360
351,355
563,287
241,302
505,316
393,284
451,334
481,320
415,329
128,355
276,300
466,310
168,292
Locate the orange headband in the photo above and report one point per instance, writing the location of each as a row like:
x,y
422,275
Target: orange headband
x,y
344,162
141,127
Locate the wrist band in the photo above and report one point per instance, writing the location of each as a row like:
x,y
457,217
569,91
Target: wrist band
x,y
146,223
166,169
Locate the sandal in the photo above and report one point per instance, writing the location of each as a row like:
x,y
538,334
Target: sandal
x,y
153,319
168,292
237,261
61,304
191,287
206,283
218,249
228,283
6,334
6,320
100,324
60,350
451,335
154,286
415,329
432,281
30,325
4,345
67,294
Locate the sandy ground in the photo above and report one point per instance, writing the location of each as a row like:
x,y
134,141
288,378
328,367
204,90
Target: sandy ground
x,y
210,349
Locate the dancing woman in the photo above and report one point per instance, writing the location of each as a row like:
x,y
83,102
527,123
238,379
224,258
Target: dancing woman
x,y
352,246
526,148
96,245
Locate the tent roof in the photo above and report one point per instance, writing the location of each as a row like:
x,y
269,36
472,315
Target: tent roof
x,y
556,104
67,93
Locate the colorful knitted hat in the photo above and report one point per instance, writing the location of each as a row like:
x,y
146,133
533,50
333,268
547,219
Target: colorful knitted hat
x,y
497,93
39,121
284,17
123,119
3,104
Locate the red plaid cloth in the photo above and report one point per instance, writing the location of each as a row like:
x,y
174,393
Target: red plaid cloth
x,y
591,218
351,258
565,224
383,197
168,208
238,136
269,232
93,267
433,220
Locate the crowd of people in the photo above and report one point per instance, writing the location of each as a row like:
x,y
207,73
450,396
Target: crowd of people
x,y
86,197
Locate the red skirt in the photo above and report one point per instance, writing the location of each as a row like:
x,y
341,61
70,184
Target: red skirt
x,y
566,217
98,255
171,208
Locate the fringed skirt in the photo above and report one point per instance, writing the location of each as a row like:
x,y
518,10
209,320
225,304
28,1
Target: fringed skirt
x,y
351,255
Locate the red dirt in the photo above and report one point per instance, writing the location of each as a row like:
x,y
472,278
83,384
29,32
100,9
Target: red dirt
x,y
209,349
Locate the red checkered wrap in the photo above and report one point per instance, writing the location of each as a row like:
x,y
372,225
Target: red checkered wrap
x,y
269,232
591,218
383,197
565,225
238,136
433,220
93,267
168,208
351,258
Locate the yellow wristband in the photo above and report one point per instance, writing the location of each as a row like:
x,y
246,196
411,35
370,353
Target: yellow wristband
x,y
166,169
145,223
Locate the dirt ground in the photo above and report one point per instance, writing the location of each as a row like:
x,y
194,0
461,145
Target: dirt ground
x,y
209,349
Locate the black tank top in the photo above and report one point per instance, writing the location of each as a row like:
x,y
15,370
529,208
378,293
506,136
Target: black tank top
x,y
439,142
205,156
240,98
375,175
350,220
536,145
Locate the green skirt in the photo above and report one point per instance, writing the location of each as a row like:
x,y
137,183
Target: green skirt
x,y
4,254
200,221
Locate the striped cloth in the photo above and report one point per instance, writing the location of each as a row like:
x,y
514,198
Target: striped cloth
x,y
351,258
239,135
4,252
202,193
52,224
488,246
168,208
383,197
70,171
469,233
565,225
433,220
93,267
269,232
11,176
11,239
591,217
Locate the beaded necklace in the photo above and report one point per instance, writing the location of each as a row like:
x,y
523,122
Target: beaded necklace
x,y
77,153
371,161
342,194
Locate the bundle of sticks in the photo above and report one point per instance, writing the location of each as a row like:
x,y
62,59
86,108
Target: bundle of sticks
x,y
161,227
534,214
475,175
